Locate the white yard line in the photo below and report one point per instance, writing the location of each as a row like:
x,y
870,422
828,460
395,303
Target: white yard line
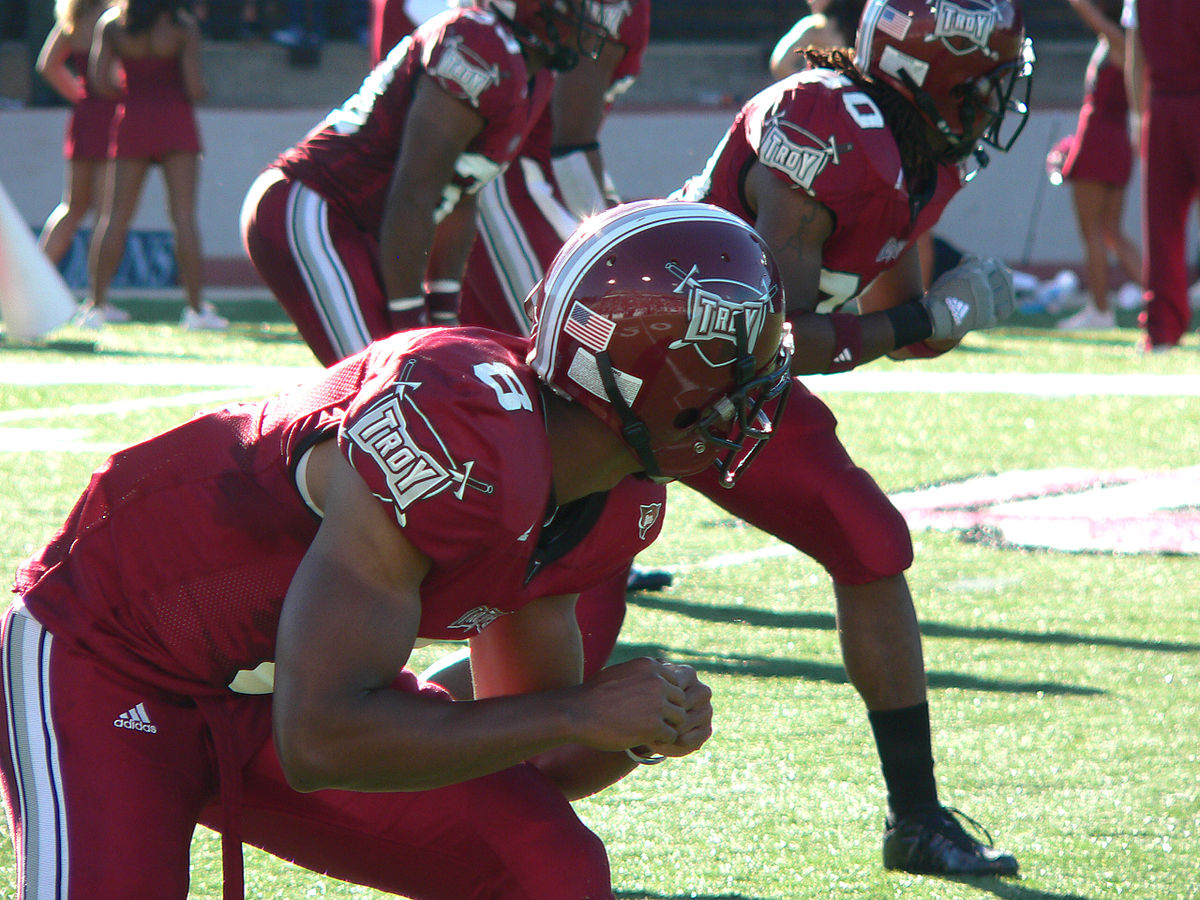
x,y
871,382
117,407
159,374
1026,383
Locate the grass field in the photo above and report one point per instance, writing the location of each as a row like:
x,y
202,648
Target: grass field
x,y
1065,687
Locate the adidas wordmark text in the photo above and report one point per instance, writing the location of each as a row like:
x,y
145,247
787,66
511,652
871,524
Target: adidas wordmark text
x,y
136,719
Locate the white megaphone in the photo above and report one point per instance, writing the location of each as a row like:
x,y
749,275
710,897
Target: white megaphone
x,y
34,298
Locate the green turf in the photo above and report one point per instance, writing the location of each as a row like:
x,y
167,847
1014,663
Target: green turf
x,y
1065,688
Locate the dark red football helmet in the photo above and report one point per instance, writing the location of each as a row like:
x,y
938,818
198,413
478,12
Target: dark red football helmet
x,y
561,29
965,64
665,320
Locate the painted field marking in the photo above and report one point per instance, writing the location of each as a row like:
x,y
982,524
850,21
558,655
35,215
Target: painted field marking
x,y
1060,509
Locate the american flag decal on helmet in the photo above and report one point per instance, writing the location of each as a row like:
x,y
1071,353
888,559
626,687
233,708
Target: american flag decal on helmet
x,y
591,329
893,22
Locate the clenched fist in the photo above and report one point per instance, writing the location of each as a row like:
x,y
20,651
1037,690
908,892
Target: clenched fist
x,y
975,294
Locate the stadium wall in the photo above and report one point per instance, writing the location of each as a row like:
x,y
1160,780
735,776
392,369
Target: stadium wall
x,y
1010,211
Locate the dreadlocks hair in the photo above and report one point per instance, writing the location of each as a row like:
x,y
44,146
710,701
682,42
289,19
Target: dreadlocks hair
x,y
917,157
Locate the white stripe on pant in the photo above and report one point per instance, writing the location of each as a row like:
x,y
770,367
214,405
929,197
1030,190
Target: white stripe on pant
x,y
41,805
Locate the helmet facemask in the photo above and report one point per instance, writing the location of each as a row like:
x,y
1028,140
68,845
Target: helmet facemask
x,y
561,30
743,421
739,423
993,110
965,65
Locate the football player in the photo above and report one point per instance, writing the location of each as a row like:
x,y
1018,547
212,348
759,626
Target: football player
x,y
840,168
557,179
219,624
351,226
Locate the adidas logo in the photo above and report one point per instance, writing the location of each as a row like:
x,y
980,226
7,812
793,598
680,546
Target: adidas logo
x,y
843,356
958,309
136,719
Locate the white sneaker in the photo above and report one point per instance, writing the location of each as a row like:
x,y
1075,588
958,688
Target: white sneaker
x,y
94,317
204,320
1088,319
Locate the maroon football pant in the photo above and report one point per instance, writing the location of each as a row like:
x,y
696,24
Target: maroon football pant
x,y
804,489
320,266
1170,182
521,226
104,782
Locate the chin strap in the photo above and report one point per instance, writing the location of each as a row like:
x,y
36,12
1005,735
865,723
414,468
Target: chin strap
x,y
633,429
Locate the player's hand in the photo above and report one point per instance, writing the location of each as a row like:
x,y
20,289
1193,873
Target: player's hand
x,y
697,725
634,703
975,294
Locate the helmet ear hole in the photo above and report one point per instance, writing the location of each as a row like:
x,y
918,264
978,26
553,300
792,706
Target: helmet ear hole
x,y
686,419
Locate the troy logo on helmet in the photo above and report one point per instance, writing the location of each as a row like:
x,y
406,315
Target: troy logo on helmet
x,y
712,317
974,25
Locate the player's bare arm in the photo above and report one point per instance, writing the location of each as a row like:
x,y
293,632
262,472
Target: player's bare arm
x,y
539,648
348,625
902,283
438,128
452,242
796,227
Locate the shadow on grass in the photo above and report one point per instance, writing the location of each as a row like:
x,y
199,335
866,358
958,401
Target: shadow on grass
x,y
1013,890
58,346
1006,890
808,670
765,618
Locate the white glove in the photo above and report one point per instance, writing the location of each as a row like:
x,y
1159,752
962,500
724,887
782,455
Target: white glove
x,y
975,294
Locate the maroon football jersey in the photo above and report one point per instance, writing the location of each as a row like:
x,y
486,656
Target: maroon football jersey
x,y
818,132
350,157
173,565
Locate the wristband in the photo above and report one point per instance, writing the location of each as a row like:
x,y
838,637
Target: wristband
x,y
407,312
652,760
910,323
847,342
406,304
441,298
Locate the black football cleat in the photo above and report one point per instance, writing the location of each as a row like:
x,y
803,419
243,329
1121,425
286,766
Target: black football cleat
x,y
934,842
643,580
